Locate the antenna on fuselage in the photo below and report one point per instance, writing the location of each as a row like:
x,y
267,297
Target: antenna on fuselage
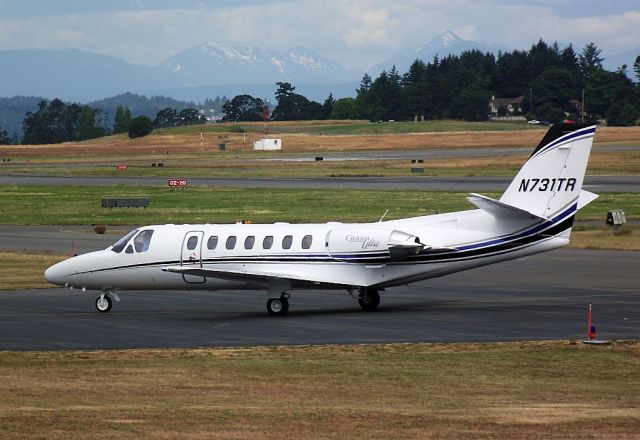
x,y
383,215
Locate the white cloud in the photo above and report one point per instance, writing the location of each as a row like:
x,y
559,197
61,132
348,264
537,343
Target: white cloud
x,y
357,33
374,27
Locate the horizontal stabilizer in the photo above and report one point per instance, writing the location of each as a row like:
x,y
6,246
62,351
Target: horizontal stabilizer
x,y
585,198
500,209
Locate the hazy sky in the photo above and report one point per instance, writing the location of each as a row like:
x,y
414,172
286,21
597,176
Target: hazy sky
x,y
356,33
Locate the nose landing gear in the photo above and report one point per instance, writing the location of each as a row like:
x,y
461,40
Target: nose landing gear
x,y
105,301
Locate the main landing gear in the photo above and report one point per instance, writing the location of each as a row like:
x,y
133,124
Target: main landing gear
x,y
278,306
105,301
368,299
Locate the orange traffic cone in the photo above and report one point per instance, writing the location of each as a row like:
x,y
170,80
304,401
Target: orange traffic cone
x,y
591,331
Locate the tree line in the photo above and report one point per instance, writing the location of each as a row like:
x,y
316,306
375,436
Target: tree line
x,y
37,120
55,122
549,80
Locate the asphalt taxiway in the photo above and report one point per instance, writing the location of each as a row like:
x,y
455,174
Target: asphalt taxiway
x,y
542,297
419,183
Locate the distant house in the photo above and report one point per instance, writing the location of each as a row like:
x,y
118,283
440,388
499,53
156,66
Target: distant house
x,y
505,106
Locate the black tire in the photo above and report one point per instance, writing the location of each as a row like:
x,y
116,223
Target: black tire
x,y
104,304
369,300
277,306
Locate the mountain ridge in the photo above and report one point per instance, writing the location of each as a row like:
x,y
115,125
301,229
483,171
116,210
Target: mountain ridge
x,y
447,43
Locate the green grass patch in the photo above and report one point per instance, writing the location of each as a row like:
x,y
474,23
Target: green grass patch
x,y
349,127
360,128
63,205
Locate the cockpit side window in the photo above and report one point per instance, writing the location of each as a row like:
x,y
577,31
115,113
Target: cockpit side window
x,y
120,244
142,240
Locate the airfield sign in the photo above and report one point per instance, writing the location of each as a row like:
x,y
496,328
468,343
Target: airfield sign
x,y
178,183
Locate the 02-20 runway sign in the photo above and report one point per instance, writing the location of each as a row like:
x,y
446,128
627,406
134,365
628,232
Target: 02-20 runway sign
x,y
178,183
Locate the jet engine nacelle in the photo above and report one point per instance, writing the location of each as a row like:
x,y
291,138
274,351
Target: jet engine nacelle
x,y
348,244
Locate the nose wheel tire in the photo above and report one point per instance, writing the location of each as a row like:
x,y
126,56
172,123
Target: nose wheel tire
x,y
278,306
369,300
103,304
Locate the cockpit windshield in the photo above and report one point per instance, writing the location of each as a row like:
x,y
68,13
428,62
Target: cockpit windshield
x,y
142,240
120,244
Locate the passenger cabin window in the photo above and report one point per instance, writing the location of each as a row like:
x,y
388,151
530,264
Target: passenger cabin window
x,y
231,242
120,244
249,242
212,242
267,242
287,241
306,241
192,243
142,240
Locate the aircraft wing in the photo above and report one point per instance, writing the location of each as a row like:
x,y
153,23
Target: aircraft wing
x,y
500,209
267,278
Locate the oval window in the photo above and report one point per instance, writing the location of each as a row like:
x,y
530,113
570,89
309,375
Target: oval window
x,y
212,242
231,242
306,241
287,241
267,242
249,242
192,242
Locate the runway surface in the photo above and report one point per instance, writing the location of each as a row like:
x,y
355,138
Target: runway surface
x,y
424,183
542,297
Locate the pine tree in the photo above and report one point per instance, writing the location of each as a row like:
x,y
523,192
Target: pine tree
x,y
327,106
126,120
121,120
4,137
590,60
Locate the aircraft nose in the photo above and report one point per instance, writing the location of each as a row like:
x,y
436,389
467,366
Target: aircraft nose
x,y
54,274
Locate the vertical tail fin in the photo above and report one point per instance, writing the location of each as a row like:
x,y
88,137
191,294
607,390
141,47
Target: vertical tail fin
x,y
550,182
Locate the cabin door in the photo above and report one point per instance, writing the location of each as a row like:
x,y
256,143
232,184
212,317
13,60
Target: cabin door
x,y
191,255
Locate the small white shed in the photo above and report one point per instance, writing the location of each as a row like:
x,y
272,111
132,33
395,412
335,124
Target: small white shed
x,y
267,144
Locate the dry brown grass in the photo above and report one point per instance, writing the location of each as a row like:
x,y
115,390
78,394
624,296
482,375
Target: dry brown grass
x,y
627,238
25,269
292,142
503,390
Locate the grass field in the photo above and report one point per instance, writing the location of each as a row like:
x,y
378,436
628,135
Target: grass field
x,y
308,137
404,391
182,154
25,270
346,127
76,205
263,165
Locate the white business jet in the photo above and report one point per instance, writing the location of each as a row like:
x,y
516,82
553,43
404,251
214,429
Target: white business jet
x,y
535,214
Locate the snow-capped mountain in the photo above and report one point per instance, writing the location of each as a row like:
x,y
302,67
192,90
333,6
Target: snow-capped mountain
x,y
216,64
444,44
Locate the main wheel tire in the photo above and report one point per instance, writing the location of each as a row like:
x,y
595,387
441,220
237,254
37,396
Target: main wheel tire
x,y
104,304
369,300
277,306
